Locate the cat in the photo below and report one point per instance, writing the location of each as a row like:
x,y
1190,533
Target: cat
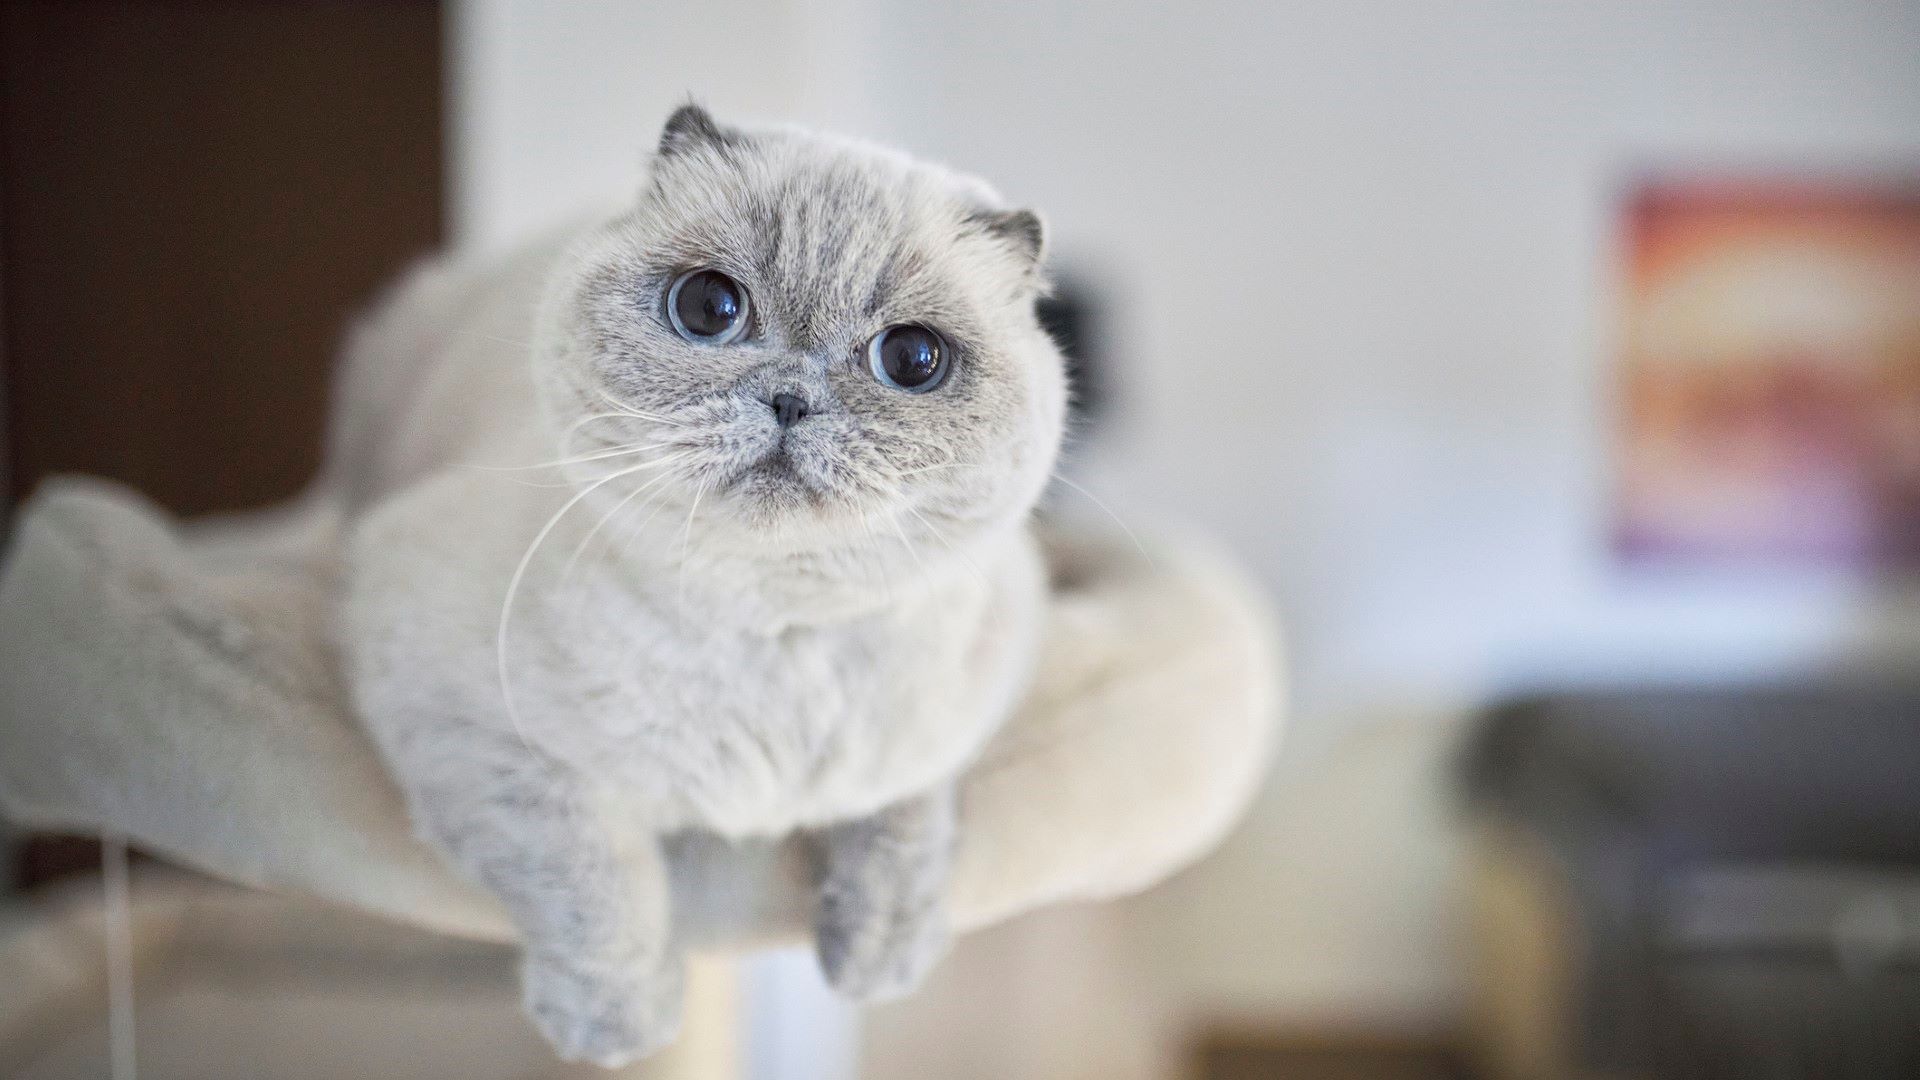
x,y
771,573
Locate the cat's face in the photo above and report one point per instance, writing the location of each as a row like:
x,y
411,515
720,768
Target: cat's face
x,y
820,340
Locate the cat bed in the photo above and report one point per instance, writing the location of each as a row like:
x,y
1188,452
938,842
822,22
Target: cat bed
x,y
175,683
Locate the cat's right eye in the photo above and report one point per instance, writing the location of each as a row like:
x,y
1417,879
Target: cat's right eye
x,y
708,307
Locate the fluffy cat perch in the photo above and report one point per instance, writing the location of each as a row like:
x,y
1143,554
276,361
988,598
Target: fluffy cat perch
x,y
179,687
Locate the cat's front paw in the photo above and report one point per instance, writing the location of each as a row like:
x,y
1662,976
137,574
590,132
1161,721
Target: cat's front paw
x,y
878,943
608,1014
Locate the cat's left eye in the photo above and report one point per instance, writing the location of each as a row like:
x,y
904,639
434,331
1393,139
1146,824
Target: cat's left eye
x,y
708,307
908,357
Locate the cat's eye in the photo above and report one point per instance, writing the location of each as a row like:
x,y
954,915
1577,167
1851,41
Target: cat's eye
x,y
908,357
708,307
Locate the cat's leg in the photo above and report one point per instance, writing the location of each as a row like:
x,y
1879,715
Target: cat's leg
x,y
599,976
883,915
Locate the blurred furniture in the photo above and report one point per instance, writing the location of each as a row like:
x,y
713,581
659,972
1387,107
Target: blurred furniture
x,y
1072,315
232,983
1710,884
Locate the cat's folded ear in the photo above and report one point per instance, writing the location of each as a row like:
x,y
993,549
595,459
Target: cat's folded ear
x,y
691,127
1020,230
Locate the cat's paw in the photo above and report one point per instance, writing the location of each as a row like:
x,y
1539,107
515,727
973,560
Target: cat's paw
x,y
877,944
608,1014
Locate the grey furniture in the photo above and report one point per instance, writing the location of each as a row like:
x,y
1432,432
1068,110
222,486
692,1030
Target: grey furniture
x,y
1708,884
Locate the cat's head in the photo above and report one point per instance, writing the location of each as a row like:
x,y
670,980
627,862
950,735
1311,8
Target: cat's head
x,y
823,343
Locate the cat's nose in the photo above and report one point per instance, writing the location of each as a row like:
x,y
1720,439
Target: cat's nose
x,y
788,409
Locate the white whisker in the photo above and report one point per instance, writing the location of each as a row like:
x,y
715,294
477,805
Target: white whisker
x,y
566,572
583,459
633,534
873,542
905,543
866,526
1095,499
972,566
686,541
633,410
513,589
574,428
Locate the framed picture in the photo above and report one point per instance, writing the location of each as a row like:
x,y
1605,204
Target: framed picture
x,y
1771,401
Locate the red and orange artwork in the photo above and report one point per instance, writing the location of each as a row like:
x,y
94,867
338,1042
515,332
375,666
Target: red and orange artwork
x,y
1771,406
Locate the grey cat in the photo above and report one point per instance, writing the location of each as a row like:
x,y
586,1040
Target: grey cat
x,y
792,410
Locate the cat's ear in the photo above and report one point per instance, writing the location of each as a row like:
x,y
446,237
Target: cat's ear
x,y
689,128
1020,230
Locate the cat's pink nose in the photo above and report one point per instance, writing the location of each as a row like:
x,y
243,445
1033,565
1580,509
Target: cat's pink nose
x,y
788,409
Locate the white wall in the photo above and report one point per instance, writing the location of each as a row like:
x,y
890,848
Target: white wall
x,y
1364,254
556,103
1360,253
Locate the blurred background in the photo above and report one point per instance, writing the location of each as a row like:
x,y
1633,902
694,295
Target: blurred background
x,y
1556,366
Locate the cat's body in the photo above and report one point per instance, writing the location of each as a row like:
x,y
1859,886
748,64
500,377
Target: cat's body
x,y
764,589
799,725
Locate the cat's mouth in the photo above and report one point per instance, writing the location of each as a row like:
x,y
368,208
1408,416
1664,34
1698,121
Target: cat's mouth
x,y
777,466
777,480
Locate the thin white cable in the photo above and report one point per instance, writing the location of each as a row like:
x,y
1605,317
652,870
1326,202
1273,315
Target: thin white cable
x,y
118,920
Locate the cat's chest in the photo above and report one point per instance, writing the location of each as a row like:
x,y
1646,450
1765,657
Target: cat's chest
x,y
747,733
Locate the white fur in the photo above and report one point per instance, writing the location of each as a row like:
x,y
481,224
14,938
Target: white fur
x,y
666,635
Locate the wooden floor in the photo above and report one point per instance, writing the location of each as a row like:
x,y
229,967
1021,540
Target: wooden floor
x,y
1229,1058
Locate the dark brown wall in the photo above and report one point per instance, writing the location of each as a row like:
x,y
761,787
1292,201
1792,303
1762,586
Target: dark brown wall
x,y
195,197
